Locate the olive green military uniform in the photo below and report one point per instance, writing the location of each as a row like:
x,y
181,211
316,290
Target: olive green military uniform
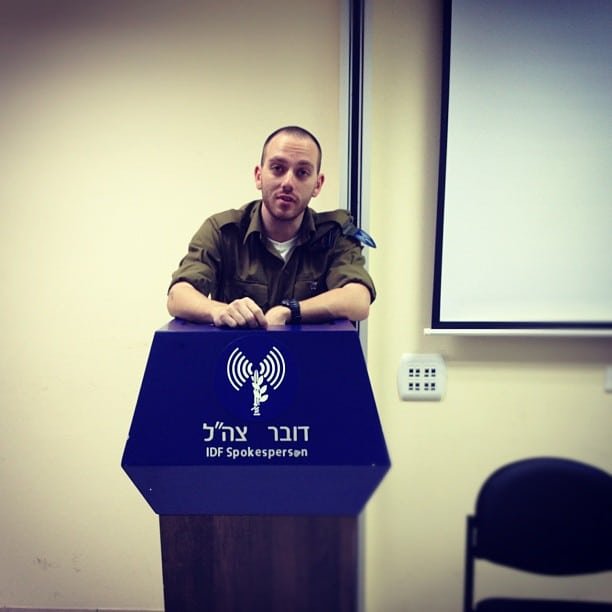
x,y
230,258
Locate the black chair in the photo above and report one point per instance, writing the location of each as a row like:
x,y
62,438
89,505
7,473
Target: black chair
x,y
546,516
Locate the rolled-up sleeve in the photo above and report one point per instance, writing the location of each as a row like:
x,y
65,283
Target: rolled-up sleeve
x,y
200,267
348,266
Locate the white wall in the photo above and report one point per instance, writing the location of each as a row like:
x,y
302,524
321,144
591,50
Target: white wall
x,y
123,125
506,398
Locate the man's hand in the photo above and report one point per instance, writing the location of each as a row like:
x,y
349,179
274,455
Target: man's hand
x,y
186,302
243,312
278,315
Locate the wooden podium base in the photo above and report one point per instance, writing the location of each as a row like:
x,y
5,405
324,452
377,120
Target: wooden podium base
x,y
260,563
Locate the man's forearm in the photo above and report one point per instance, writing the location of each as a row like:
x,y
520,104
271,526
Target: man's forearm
x,y
186,302
349,302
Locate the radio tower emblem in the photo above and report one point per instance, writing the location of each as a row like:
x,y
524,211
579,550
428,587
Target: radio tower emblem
x,y
271,372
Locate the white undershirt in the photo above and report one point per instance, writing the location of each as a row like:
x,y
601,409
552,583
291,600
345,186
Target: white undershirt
x,y
283,248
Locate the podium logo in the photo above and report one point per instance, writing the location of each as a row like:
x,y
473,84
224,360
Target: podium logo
x,y
269,374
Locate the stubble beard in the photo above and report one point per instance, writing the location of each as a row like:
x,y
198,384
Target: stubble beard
x,y
282,222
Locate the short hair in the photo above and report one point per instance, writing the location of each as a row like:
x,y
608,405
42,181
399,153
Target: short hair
x,y
293,130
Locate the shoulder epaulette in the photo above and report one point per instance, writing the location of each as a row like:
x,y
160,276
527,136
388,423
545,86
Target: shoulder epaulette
x,y
227,217
234,216
352,231
343,219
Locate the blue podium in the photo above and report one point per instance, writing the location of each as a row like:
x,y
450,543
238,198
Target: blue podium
x,y
258,449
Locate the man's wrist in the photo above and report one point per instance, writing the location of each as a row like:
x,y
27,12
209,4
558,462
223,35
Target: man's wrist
x,y
294,308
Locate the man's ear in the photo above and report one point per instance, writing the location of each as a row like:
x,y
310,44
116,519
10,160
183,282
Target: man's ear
x,y
318,186
258,177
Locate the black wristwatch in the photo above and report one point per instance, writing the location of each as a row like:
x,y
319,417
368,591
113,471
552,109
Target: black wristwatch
x,y
294,306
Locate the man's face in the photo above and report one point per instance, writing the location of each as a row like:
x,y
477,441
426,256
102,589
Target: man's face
x,y
288,177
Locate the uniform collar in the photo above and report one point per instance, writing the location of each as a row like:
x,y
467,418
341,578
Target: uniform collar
x,y
305,233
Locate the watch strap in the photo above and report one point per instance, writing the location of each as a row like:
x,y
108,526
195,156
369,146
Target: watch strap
x,y
294,306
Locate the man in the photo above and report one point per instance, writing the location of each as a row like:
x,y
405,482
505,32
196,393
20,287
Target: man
x,y
276,261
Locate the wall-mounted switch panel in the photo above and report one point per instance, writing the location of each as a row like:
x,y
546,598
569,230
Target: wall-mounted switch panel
x,y
421,377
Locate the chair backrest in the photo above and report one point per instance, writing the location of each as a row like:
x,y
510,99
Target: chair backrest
x,y
542,515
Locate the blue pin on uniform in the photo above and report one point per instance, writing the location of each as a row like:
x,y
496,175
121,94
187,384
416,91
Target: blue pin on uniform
x,y
351,230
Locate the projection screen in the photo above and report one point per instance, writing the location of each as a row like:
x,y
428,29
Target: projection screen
x,y
524,226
